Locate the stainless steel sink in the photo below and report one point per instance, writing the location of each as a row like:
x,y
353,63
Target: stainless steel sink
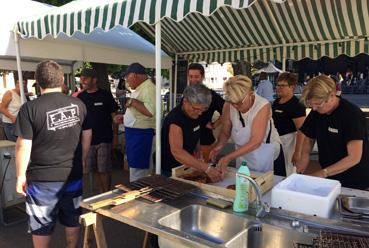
x,y
264,235
207,223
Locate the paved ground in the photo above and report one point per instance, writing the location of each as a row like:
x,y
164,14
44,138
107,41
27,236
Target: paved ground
x,y
117,234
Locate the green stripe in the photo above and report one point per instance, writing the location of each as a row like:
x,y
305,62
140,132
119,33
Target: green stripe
x,y
167,35
327,20
202,32
366,46
186,7
33,28
198,34
64,30
141,15
180,37
294,24
301,21
348,48
113,16
244,22
341,18
122,13
96,21
213,6
360,13
39,34
225,24
327,50
260,17
335,49
152,14
105,16
266,15
351,17
199,6
58,24
217,38
71,24
190,37
318,21
173,13
132,13
279,23
335,16
255,27
87,20
52,17
357,47
228,2
244,36
46,22
310,22
163,8
79,21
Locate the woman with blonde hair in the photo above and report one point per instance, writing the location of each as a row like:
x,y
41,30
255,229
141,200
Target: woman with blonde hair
x,y
247,118
339,128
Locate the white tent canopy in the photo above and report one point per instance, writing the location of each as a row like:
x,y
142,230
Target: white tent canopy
x,y
270,68
117,46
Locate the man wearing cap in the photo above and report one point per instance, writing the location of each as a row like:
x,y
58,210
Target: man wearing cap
x,y
139,121
102,108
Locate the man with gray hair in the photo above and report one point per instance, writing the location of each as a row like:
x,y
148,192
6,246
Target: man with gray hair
x,y
50,156
180,133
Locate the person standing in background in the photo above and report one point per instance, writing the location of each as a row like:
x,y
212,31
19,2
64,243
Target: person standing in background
x,y
102,109
9,107
289,115
265,87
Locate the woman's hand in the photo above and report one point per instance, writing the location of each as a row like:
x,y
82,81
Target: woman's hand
x,y
214,153
296,157
223,164
118,119
214,174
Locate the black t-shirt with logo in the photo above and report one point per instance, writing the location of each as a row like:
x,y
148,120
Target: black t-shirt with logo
x,y
100,105
54,123
190,131
332,133
283,115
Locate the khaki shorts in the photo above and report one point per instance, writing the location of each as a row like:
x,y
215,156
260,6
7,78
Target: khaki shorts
x,y
99,158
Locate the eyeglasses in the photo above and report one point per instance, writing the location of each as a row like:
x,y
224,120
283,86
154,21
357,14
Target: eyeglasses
x,y
198,109
238,104
316,105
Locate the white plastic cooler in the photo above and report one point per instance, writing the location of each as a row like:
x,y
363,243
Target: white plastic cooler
x,y
306,194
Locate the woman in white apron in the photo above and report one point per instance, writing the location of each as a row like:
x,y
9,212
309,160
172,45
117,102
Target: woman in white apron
x,y
289,115
248,121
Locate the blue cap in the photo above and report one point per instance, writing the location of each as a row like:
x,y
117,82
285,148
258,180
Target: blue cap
x,y
135,68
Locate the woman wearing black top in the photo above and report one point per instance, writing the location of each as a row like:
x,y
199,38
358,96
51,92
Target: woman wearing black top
x,y
339,128
288,116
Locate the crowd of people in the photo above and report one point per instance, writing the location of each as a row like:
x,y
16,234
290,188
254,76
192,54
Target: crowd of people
x,y
60,137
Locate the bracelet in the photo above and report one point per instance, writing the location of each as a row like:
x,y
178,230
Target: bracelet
x,y
208,169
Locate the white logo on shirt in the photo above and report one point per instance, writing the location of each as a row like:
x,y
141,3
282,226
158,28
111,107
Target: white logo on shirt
x,y
98,103
63,117
332,130
196,128
278,111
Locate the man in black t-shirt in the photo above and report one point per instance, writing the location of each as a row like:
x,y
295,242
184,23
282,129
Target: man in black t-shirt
x,y
196,75
339,128
288,116
49,131
181,132
102,108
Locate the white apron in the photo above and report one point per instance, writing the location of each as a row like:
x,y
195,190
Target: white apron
x,y
261,159
288,144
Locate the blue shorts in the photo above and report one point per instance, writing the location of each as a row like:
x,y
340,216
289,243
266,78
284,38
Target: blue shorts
x,y
138,147
47,202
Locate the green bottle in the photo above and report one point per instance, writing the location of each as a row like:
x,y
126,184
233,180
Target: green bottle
x,y
241,201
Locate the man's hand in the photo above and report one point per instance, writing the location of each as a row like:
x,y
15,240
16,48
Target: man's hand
x,y
21,185
223,165
13,119
118,119
84,166
296,157
210,125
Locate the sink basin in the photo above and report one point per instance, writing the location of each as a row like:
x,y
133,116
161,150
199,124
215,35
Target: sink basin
x,y
264,235
206,223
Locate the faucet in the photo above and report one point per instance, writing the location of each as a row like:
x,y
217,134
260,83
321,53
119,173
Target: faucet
x,y
262,208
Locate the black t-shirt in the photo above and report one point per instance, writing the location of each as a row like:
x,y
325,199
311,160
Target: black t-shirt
x,y
190,131
54,123
333,132
283,115
217,102
100,105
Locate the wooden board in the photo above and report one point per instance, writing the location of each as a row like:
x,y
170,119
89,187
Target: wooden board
x,y
264,180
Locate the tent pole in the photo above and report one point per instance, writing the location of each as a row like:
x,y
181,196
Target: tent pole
x,y
158,95
19,67
170,99
175,81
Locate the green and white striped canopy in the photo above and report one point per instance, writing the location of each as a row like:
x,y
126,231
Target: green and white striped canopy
x,y
223,30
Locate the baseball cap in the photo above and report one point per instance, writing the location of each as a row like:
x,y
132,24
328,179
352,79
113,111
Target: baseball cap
x,y
135,68
87,72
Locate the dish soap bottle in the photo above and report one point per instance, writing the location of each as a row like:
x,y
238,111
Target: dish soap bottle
x,y
241,201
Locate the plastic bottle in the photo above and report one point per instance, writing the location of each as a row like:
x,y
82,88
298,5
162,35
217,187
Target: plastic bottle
x,y
241,201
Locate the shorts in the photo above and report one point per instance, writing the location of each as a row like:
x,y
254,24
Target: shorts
x,y
47,202
99,158
139,147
